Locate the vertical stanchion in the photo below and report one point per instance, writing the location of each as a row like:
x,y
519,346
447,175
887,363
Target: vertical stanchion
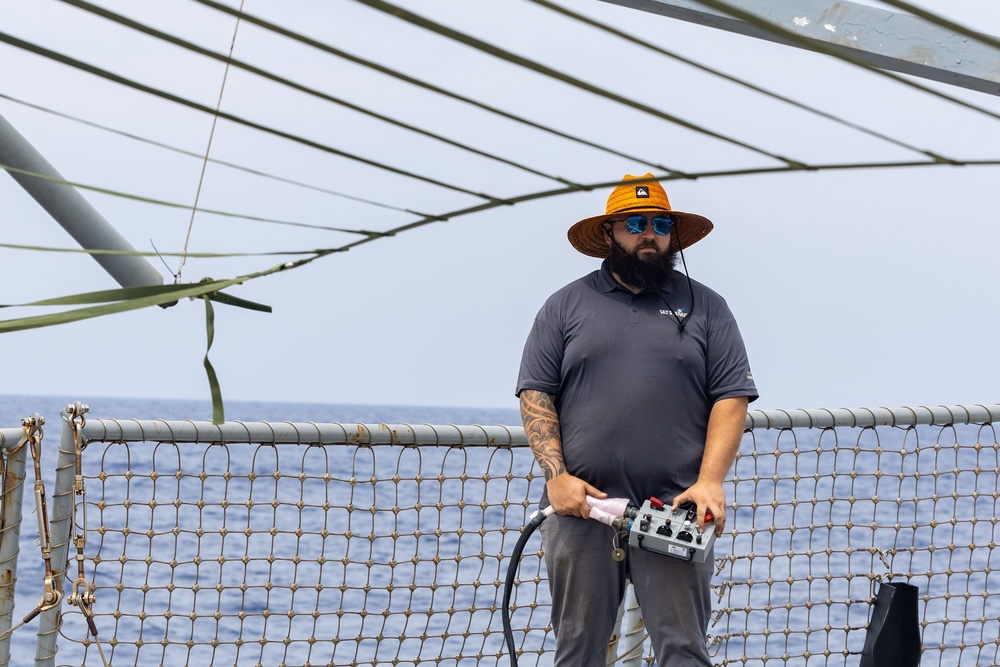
x,y
625,647
14,453
61,525
633,632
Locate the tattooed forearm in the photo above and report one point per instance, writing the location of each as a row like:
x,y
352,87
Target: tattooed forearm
x,y
541,425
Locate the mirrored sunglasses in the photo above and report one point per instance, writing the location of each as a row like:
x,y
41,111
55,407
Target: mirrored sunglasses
x,y
636,224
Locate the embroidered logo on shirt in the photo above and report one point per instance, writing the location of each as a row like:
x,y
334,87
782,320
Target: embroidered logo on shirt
x,y
642,192
677,313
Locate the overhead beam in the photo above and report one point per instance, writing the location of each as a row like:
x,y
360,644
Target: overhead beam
x,y
887,40
72,211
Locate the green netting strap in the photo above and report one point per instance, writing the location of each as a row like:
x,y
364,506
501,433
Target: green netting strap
x,y
123,300
131,298
218,412
230,300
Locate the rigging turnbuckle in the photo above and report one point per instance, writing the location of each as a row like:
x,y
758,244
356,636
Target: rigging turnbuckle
x,y
83,592
51,595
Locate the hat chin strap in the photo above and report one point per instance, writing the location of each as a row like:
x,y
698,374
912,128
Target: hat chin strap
x,y
608,230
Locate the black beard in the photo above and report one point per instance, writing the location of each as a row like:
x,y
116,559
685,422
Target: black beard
x,y
649,275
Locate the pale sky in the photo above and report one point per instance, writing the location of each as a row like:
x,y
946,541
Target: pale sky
x,y
868,287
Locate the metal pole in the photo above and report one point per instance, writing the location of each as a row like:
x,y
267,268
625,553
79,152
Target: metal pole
x,y
10,530
634,630
503,436
72,211
889,40
61,526
133,430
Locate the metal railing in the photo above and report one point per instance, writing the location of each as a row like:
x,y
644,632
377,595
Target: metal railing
x,y
336,544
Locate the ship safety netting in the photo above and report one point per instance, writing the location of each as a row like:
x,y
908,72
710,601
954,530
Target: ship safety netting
x,y
336,544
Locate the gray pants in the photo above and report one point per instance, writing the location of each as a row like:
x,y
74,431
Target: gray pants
x,y
587,587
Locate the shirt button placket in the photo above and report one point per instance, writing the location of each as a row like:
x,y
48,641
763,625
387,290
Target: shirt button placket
x,y
633,312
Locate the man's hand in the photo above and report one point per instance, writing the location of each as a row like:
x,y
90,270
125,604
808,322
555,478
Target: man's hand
x,y
722,441
708,497
568,495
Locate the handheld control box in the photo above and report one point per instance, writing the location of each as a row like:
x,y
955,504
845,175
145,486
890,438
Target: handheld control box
x,y
674,533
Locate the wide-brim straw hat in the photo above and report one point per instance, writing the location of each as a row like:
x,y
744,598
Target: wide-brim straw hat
x,y
636,194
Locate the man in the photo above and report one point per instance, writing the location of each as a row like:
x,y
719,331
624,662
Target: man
x,y
634,382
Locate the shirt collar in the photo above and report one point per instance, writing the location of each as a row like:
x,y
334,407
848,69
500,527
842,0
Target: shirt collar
x,y
606,280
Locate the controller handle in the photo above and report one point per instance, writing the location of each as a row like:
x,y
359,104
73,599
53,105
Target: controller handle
x,y
606,510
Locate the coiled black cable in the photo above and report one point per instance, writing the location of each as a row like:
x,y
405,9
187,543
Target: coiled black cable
x,y
515,560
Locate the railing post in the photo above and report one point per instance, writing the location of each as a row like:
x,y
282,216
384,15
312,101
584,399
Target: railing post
x,y
61,526
634,631
14,453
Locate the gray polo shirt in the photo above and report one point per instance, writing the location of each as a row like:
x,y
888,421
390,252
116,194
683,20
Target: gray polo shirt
x,y
632,393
